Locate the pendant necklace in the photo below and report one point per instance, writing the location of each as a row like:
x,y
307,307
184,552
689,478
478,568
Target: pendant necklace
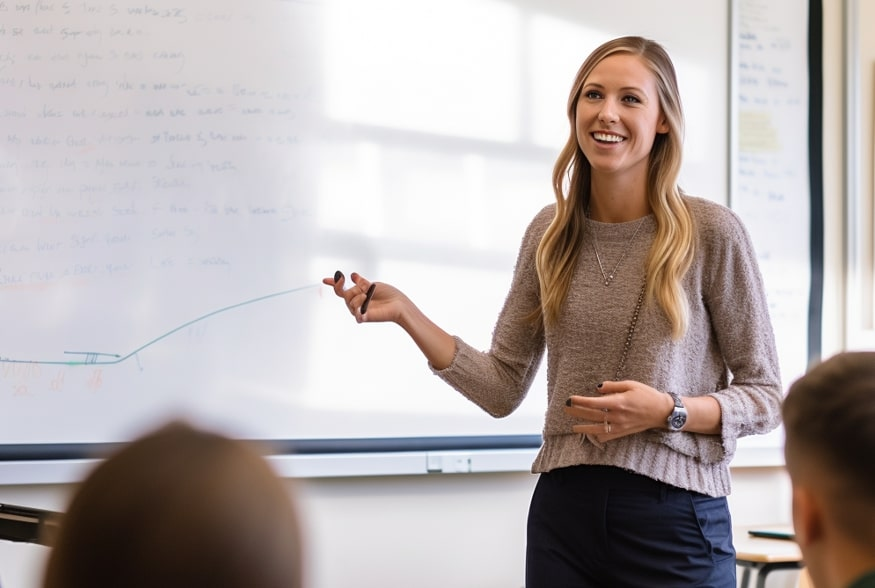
x,y
609,277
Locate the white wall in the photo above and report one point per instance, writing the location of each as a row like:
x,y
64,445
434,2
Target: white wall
x,y
834,335
860,278
447,530
468,530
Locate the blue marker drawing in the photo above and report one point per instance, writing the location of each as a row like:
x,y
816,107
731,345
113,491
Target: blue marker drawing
x,y
97,358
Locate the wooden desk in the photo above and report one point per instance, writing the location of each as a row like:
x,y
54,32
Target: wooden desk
x,y
764,555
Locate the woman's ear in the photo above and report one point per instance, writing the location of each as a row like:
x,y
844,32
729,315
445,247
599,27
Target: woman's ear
x,y
662,127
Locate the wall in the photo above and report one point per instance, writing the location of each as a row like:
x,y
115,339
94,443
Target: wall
x,y
834,289
467,531
860,213
459,531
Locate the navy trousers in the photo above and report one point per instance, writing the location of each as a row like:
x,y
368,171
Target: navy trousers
x,y
604,527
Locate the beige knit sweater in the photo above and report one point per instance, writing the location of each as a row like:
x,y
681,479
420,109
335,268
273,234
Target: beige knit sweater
x,y
728,351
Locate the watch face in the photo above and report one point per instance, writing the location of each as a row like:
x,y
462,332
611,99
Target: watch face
x,y
678,420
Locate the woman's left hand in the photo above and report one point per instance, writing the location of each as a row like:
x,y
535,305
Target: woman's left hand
x,y
621,408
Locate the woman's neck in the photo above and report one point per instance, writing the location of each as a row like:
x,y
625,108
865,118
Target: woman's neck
x,y
616,199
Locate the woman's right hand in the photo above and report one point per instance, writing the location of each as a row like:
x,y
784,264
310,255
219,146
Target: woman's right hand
x,y
383,304
387,303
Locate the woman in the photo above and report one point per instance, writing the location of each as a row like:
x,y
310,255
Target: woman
x,y
660,352
179,508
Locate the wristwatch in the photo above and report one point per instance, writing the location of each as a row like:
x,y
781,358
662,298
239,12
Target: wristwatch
x,y
678,417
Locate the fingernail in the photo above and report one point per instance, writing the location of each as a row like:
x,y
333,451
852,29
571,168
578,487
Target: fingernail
x,y
568,402
598,386
337,275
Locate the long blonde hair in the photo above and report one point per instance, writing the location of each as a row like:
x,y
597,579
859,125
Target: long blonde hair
x,y
671,254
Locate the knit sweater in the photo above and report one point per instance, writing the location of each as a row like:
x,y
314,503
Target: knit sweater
x,y
728,350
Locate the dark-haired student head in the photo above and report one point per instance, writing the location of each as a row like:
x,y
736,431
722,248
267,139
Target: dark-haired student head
x,y
829,417
179,508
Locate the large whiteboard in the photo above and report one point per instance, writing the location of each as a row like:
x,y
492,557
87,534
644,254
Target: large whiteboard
x,y
177,177
771,172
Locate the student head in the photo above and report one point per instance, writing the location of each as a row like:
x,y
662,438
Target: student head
x,y
179,507
829,417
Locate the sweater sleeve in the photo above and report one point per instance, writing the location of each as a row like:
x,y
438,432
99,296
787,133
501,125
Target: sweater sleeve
x,y
736,300
498,380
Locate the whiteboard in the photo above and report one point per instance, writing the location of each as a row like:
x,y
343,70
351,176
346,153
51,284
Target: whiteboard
x,y
770,171
176,178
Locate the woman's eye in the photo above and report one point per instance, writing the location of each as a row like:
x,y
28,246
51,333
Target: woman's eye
x,y
592,95
631,99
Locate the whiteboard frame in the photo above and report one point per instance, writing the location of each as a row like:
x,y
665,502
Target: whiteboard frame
x,y
347,465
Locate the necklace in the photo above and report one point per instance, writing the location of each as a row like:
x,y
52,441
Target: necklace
x,y
609,277
632,324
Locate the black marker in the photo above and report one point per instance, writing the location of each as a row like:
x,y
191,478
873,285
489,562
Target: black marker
x,y
368,298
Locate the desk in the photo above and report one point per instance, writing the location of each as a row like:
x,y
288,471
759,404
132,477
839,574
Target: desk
x,y
764,555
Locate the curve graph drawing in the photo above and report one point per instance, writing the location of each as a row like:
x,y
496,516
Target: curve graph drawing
x,y
102,358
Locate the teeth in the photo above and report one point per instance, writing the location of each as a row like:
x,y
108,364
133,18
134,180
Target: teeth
x,y
607,137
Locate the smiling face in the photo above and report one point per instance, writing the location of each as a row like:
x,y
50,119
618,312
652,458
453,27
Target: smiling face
x,y
618,116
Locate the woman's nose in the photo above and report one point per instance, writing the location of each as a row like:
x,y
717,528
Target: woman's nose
x,y
608,113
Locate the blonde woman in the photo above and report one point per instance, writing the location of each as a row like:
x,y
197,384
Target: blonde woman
x,y
651,309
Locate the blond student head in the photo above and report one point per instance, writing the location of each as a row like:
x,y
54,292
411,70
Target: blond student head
x,y
179,507
829,416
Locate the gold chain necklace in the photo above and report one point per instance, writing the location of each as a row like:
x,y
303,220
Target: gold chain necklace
x,y
609,277
631,331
